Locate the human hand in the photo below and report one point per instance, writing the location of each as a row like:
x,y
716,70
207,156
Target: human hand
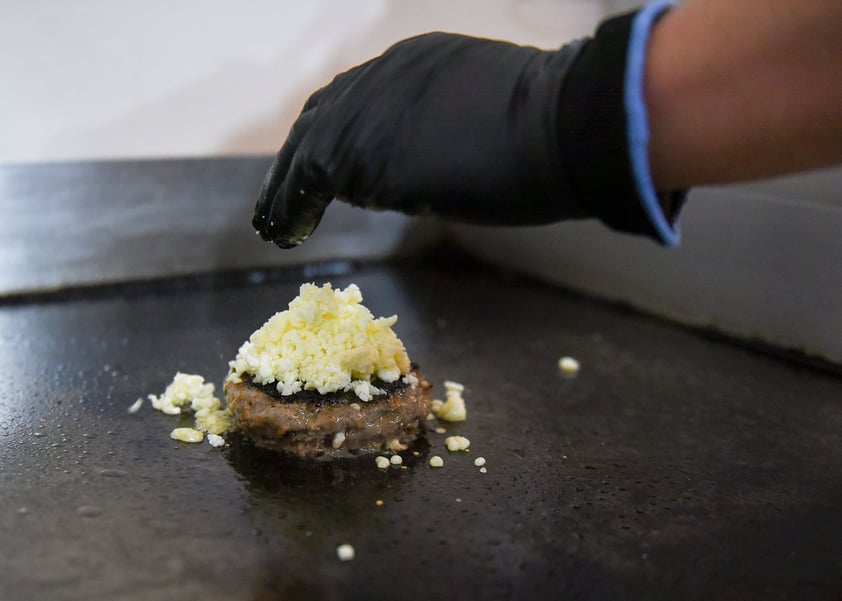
x,y
462,128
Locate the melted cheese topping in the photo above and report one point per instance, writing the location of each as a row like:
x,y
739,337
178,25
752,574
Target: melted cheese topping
x,y
326,341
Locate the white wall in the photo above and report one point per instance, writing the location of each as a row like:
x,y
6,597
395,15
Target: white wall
x,y
758,261
140,78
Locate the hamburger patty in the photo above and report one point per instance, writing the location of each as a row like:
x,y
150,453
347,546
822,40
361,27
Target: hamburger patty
x,y
306,423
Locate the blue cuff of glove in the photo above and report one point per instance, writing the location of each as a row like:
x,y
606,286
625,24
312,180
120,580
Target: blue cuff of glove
x,y
637,121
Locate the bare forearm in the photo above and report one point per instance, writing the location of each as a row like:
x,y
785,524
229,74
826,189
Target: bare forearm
x,y
743,90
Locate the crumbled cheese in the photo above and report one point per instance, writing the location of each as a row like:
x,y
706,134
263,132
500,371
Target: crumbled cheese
x,y
430,417
365,390
379,502
135,407
382,462
191,392
452,410
355,406
568,365
457,443
183,391
436,405
187,435
450,385
215,440
338,439
440,430
410,379
436,461
483,470
396,460
345,552
326,341
215,421
396,445
479,461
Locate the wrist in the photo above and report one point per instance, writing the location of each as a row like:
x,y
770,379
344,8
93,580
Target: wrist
x,y
604,130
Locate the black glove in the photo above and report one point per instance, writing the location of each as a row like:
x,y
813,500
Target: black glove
x,y
474,130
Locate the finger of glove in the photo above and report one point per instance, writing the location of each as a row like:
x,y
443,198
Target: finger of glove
x,y
299,204
277,173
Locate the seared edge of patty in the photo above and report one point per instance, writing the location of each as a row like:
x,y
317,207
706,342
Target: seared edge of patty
x,y
307,427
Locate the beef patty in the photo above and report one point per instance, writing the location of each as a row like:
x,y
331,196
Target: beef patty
x,y
307,423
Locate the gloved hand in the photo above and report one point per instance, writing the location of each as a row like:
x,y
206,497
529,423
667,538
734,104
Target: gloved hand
x,y
474,130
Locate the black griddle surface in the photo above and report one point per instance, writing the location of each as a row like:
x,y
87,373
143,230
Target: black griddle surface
x,y
673,466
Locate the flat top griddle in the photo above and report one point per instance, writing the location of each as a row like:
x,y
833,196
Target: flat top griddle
x,y
673,465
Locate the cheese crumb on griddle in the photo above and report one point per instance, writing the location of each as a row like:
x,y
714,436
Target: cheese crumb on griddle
x,y
187,435
457,443
215,440
183,391
326,341
345,552
190,392
436,461
453,409
568,366
450,385
382,462
135,407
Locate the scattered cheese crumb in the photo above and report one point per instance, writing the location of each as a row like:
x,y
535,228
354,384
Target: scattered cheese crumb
x,y
355,406
187,435
396,445
396,460
345,552
191,392
382,462
452,410
483,470
379,502
184,389
135,407
440,430
457,443
326,341
450,385
215,420
436,461
215,440
430,417
410,379
568,365
479,461
338,439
